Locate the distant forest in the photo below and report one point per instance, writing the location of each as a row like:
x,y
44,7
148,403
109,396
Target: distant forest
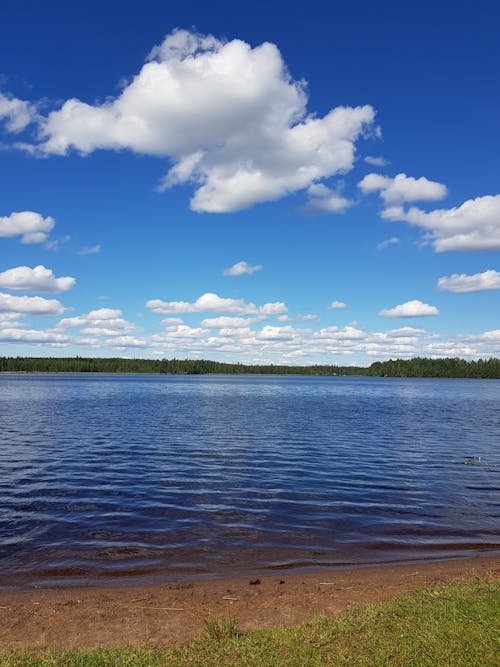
x,y
417,367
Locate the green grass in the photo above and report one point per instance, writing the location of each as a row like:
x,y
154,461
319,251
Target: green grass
x,y
452,625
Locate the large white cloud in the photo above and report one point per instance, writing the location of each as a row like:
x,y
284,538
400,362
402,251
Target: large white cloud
x,y
473,226
210,302
413,308
402,188
460,282
34,305
38,279
229,117
31,226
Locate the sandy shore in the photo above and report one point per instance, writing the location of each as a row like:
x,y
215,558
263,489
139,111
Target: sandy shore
x,y
84,618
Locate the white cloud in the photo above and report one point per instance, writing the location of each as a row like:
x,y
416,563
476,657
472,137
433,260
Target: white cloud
x,y
180,332
385,244
310,317
15,335
210,302
335,334
31,226
100,322
90,250
34,305
255,341
226,322
404,332
92,316
55,244
127,341
474,283
473,226
337,305
38,279
376,161
229,117
241,268
277,308
325,200
270,332
207,302
171,321
9,318
402,188
17,114
413,308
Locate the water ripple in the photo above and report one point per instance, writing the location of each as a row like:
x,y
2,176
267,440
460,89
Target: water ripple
x,y
151,477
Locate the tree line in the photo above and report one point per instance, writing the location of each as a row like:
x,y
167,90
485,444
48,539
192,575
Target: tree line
x,y
417,367
170,366
435,368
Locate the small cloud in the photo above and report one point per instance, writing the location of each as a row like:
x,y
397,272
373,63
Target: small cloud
x,y
275,308
16,114
55,244
471,227
103,297
299,318
376,161
413,308
477,282
33,305
90,250
38,279
385,244
402,188
172,321
29,225
210,302
241,268
325,200
226,322
309,317
337,305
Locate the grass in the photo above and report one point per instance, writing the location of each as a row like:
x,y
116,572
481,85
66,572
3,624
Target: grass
x,y
455,625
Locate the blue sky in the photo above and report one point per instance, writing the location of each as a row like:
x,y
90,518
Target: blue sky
x,y
267,183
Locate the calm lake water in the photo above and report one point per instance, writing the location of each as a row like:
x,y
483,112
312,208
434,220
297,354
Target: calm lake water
x,y
143,478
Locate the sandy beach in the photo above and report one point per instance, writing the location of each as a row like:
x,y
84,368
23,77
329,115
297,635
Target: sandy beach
x,y
160,615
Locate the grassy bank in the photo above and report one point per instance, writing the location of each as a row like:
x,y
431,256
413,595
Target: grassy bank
x,y
453,625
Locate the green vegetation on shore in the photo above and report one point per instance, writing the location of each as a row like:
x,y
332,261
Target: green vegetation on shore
x,y
450,626
417,367
170,366
444,368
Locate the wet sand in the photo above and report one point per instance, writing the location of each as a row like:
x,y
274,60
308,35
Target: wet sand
x,y
160,615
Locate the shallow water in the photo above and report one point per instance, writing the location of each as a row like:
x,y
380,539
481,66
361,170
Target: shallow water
x,y
145,478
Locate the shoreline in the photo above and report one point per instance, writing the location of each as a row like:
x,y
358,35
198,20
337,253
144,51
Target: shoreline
x,y
173,613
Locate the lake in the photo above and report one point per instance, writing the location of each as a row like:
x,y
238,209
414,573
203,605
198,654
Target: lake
x,y
143,478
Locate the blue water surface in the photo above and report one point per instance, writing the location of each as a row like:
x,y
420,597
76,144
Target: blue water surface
x,y
148,477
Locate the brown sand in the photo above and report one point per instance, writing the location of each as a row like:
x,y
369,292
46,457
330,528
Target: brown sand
x,y
84,618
